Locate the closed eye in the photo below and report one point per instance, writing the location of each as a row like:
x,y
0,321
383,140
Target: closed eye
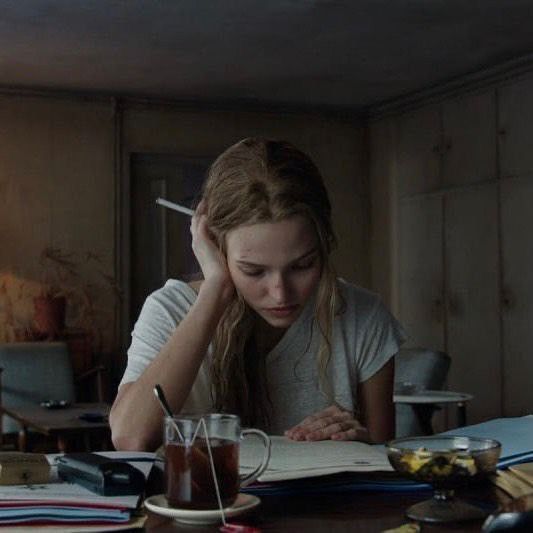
x,y
305,262
252,273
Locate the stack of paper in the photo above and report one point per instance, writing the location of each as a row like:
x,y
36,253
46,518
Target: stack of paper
x,y
320,466
301,459
517,480
59,502
297,466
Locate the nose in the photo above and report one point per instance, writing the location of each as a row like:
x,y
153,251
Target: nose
x,y
279,289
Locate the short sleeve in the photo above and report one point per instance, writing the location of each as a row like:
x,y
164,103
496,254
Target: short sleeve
x,y
162,311
380,339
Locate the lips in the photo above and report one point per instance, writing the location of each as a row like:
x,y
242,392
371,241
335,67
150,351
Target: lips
x,y
281,312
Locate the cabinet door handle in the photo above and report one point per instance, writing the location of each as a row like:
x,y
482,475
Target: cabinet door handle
x,y
507,298
438,309
453,304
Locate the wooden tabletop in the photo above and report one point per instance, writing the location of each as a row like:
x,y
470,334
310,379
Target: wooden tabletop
x,y
364,512
63,420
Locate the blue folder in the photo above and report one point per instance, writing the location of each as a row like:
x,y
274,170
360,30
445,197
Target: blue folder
x,y
343,482
515,435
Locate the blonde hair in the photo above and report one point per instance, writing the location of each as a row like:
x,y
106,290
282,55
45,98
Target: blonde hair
x,y
255,181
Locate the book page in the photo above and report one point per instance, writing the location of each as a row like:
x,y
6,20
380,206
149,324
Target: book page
x,y
299,459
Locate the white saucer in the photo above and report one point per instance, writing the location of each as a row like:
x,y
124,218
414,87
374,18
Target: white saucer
x,y
158,504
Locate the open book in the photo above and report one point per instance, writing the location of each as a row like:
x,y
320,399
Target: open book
x,y
300,459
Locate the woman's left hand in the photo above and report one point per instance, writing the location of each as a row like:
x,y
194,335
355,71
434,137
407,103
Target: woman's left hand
x,y
332,423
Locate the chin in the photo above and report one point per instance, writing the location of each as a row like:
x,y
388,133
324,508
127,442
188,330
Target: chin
x,y
280,322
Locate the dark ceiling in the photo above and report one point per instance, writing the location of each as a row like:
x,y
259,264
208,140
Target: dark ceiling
x,y
280,53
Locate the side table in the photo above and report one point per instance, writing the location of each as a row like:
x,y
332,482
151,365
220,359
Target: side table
x,y
437,397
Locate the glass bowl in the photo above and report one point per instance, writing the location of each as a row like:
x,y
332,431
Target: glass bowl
x,y
446,463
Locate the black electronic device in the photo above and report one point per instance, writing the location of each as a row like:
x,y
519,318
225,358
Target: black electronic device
x,y
100,474
93,417
55,404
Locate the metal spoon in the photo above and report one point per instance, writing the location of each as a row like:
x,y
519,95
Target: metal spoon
x,y
160,395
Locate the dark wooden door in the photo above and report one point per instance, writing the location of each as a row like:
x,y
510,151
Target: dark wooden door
x,y
160,238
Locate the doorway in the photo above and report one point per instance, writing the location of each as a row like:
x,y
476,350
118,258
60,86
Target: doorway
x,y
160,242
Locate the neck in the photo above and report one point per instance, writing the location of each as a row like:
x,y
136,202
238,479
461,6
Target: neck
x,y
266,336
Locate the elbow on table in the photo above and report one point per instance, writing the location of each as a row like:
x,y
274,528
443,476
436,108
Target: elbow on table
x,y
125,438
127,442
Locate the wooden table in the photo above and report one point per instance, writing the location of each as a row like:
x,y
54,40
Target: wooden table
x,y
364,512
64,424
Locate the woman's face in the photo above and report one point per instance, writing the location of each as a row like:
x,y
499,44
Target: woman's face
x,y
275,266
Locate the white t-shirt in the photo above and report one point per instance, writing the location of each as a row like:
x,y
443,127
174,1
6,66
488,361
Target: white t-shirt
x,y
364,338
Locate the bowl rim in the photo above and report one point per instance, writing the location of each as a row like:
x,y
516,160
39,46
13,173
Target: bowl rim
x,y
395,444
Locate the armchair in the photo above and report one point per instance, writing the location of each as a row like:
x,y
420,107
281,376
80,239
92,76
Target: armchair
x,y
33,372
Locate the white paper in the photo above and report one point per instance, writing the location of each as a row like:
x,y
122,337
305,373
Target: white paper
x,y
299,459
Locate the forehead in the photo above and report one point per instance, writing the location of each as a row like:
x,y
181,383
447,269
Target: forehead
x,y
269,242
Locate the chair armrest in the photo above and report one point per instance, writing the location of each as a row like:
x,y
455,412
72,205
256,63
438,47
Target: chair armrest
x,y
96,371
90,373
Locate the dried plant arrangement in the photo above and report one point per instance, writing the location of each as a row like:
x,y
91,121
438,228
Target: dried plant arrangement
x,y
73,292
79,279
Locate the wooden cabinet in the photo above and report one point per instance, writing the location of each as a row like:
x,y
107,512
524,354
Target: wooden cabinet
x,y
515,128
448,254
421,277
515,132
472,297
418,151
449,287
468,142
464,218
517,294
449,144
458,179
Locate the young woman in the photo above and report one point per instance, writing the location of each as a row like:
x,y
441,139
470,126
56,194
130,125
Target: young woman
x,y
270,333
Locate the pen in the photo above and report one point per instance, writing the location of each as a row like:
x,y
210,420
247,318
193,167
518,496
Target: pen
x,y
175,207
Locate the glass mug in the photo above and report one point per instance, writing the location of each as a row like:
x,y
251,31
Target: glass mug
x,y
188,474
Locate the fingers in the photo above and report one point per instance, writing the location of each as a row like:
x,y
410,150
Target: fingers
x,y
324,428
211,260
355,433
332,410
319,420
331,423
199,219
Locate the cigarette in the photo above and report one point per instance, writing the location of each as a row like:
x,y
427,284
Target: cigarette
x,y
175,207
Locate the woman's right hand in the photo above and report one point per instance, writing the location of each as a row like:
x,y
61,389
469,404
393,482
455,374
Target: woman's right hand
x,y
212,261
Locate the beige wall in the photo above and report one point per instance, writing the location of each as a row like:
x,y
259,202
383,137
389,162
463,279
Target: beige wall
x,y
56,189
58,179
383,249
